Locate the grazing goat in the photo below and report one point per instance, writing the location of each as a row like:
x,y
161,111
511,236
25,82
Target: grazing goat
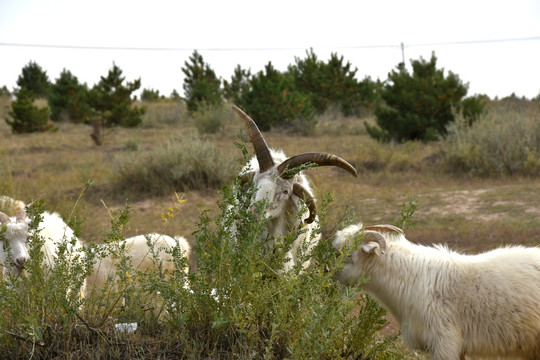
x,y
141,257
277,181
13,258
446,303
52,229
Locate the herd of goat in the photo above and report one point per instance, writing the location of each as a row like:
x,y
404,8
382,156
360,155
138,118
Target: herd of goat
x,y
446,303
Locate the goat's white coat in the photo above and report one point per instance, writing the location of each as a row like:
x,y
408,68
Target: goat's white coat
x,y
10,206
141,257
451,304
52,229
283,207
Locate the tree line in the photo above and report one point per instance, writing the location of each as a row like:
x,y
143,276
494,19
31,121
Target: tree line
x,y
415,105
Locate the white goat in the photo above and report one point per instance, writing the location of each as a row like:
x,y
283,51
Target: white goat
x,y
277,180
447,303
13,258
141,257
52,229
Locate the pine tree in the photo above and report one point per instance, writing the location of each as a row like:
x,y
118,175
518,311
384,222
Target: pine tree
x,y
111,99
68,99
34,79
240,83
27,117
417,106
201,84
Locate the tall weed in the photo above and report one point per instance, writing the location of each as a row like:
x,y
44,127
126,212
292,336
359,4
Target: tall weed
x,y
503,141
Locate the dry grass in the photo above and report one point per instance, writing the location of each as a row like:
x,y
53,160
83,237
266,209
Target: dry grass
x,y
470,214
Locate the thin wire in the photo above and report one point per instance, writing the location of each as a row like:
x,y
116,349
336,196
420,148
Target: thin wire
x,y
124,48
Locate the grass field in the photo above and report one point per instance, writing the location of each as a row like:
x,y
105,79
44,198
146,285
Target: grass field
x,y
469,213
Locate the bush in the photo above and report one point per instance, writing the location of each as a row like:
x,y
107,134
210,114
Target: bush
x,y
504,141
419,106
179,164
237,306
27,117
210,119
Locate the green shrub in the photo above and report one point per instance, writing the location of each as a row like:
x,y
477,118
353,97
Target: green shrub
x,y
237,306
419,106
504,141
27,117
178,164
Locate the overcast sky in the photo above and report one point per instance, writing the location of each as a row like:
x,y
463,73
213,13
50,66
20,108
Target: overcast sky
x,y
492,45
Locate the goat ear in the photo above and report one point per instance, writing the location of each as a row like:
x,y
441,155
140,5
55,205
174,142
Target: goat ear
x,y
374,243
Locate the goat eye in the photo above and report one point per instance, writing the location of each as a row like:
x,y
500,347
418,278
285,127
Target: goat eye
x,y
285,192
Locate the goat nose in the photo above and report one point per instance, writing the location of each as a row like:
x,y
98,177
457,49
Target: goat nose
x,y
20,261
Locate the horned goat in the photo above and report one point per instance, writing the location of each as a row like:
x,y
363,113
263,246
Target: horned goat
x,y
276,182
141,257
446,303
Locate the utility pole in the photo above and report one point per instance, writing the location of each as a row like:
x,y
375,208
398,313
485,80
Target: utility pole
x,y
402,53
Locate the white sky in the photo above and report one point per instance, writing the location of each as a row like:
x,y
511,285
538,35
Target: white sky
x,y
251,33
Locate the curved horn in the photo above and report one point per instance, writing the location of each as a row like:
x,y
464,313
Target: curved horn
x,y
259,145
303,194
320,159
4,219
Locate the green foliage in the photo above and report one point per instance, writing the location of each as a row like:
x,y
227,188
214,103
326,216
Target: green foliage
x,y
418,106
503,141
112,101
34,79
201,85
179,164
240,84
68,99
249,309
332,83
27,117
274,101
150,95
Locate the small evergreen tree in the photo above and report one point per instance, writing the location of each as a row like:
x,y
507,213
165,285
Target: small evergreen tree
x,y
201,84
112,100
175,95
34,79
27,117
274,101
417,106
68,99
150,95
4,91
240,83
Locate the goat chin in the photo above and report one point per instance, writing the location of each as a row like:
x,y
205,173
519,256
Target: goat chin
x,y
448,303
